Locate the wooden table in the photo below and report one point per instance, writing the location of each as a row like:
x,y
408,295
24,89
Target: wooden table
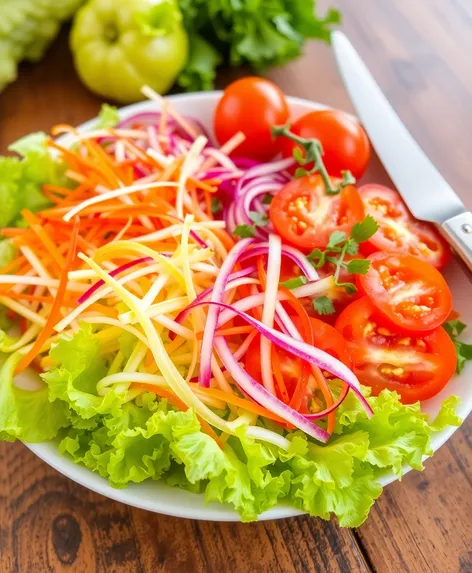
x,y
420,51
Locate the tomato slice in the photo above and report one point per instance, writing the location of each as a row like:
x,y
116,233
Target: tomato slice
x,y
417,367
325,337
408,292
305,216
398,230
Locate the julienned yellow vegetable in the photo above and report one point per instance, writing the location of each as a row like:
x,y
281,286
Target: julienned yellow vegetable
x,y
119,45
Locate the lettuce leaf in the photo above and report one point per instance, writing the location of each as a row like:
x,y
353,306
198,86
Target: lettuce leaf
x,y
107,117
129,442
24,414
21,178
260,33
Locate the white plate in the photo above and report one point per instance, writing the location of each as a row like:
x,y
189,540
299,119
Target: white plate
x,y
160,498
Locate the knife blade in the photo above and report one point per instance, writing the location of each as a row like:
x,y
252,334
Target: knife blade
x,y
425,191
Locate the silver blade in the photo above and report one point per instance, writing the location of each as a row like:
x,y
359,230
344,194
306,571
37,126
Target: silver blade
x,y
426,192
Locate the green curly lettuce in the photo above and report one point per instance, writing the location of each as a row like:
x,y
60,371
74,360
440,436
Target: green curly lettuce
x,y
132,441
260,33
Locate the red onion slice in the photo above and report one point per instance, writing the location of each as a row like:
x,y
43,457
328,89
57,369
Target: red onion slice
x,y
294,254
302,350
204,376
87,294
263,397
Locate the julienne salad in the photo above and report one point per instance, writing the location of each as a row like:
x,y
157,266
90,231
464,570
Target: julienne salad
x,y
234,318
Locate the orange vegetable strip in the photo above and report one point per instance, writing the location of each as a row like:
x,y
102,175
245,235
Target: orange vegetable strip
x,y
30,297
237,401
56,306
51,248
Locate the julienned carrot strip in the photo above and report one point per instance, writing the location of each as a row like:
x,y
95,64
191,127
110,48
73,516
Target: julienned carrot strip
x,y
163,393
29,297
13,265
234,400
49,244
279,377
54,314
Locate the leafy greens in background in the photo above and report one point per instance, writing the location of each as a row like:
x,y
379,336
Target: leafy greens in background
x,y
148,439
260,33
27,27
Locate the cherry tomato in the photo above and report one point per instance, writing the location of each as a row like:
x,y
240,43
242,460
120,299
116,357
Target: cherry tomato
x,y
251,105
305,216
398,230
415,367
325,337
345,143
408,292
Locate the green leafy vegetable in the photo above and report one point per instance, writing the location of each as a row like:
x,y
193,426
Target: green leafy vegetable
x,y
259,220
339,245
149,439
267,199
258,33
21,179
323,305
216,206
27,27
24,414
244,231
463,350
313,153
108,116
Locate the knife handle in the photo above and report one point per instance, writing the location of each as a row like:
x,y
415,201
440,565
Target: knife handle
x,y
458,232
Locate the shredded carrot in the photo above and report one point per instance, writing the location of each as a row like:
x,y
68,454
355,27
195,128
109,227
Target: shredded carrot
x,y
55,309
239,402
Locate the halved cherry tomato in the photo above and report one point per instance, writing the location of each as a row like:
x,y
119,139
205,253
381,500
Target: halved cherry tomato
x,y
325,337
345,143
408,292
415,367
305,216
398,230
251,105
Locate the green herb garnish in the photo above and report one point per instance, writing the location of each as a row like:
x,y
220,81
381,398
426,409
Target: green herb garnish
x,y
340,245
313,154
215,205
323,305
463,350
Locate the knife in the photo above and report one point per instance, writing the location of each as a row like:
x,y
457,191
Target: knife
x,y
425,191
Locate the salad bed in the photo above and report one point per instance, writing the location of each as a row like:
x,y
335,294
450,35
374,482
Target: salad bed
x,y
183,334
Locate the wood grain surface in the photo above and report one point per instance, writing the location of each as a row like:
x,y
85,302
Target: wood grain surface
x,y
420,52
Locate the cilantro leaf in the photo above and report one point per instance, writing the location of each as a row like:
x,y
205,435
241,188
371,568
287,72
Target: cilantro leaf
x,y
244,231
352,247
216,205
259,219
454,328
358,266
323,305
336,239
295,282
267,199
317,257
463,350
364,230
